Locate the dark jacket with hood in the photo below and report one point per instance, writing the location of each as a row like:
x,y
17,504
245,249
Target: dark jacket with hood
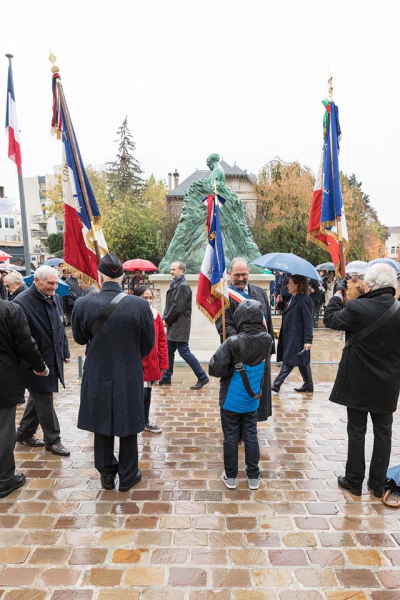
x,y
369,371
255,346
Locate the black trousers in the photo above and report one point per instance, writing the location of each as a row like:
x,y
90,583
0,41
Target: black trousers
x,y
147,401
7,443
356,430
106,463
235,426
316,309
39,410
287,369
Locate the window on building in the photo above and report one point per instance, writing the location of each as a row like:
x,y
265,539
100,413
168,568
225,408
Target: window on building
x,y
392,250
0,223
9,222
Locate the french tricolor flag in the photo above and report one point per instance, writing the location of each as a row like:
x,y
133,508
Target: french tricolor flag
x,y
12,131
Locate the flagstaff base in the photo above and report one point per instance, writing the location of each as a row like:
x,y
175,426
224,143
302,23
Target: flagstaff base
x,y
204,339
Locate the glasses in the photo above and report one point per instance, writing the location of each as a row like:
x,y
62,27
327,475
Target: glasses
x,y
239,275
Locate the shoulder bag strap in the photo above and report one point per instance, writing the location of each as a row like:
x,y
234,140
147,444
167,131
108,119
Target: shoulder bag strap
x,y
234,345
374,326
106,313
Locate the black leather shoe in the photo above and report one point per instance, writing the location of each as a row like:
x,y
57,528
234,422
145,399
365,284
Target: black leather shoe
x,y
275,388
126,487
29,441
346,485
164,382
200,383
305,388
378,492
107,483
18,482
58,449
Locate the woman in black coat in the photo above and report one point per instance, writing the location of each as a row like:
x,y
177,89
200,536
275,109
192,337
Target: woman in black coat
x,y
296,335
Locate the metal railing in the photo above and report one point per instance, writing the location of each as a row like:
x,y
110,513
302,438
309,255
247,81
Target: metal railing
x,y
39,234
38,219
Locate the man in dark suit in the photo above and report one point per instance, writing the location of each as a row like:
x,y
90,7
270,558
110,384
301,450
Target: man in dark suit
x,y
177,318
45,316
112,387
368,379
239,276
16,345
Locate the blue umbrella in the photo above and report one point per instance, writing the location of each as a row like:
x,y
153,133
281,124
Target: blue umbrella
x,y
392,485
287,262
53,262
62,289
386,261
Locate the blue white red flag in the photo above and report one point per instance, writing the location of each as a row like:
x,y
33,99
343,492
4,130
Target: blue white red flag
x,y
327,201
12,131
211,295
79,251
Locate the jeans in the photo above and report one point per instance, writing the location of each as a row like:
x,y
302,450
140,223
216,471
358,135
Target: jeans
x,y
188,357
234,426
287,369
356,430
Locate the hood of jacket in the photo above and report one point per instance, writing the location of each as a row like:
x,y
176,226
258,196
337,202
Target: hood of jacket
x,y
248,316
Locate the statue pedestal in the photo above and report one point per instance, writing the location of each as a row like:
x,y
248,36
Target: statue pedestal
x,y
204,339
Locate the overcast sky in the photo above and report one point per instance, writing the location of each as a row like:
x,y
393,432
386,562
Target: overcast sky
x,y
244,79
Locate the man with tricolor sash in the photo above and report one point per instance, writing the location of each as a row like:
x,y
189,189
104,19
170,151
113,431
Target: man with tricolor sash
x,y
239,290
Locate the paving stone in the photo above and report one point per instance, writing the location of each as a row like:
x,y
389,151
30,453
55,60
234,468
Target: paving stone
x,y
363,578
349,595
316,578
123,594
17,576
123,556
169,556
145,576
49,556
25,595
275,578
55,577
200,556
102,577
326,557
231,578
187,577
336,540
299,540
390,578
116,538
300,595
365,557
88,556
253,595
286,558
13,555
72,594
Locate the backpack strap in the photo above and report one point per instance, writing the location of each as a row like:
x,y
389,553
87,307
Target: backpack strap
x,y
234,346
106,313
374,326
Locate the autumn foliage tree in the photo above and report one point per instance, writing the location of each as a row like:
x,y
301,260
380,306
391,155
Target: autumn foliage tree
x,y
284,193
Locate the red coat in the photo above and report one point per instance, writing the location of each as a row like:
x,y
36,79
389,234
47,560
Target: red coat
x,y
157,360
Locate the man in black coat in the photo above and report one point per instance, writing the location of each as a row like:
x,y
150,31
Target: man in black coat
x,y
177,318
16,344
368,379
44,313
112,387
239,276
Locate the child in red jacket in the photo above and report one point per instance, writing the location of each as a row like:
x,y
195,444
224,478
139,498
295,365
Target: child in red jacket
x,y
157,361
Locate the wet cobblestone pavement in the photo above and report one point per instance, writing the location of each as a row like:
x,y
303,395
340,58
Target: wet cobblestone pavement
x,y
180,534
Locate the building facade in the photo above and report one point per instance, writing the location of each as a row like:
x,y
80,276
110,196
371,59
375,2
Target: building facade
x,y
392,244
10,227
237,180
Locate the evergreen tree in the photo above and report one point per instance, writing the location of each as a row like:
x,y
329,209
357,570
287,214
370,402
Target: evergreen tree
x,y
124,174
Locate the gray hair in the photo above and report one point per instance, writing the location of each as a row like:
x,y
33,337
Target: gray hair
x,y
44,271
238,259
380,276
107,278
180,264
14,277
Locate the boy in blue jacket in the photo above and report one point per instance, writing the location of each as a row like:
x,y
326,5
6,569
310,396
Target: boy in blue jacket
x,y
241,362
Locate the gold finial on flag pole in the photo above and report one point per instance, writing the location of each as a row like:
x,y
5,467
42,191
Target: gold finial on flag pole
x,y
53,59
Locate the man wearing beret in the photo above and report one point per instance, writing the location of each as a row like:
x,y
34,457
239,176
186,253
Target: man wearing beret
x,y
119,332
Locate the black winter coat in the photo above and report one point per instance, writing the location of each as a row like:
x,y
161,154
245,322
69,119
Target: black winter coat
x,y
16,343
318,293
256,293
296,330
255,346
178,311
45,318
19,289
369,371
112,385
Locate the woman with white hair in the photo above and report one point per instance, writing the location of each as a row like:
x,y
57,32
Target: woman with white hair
x,y
368,379
14,284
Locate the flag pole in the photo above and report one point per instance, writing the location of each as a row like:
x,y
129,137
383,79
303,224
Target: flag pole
x,y
221,281
25,234
342,266
77,162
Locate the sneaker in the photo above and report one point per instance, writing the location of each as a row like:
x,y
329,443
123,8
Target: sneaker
x,y
153,428
254,484
230,482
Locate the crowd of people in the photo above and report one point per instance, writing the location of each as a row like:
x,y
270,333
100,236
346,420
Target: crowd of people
x,y
130,346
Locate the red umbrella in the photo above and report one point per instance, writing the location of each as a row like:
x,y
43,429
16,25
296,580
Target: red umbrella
x,y
139,263
4,255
